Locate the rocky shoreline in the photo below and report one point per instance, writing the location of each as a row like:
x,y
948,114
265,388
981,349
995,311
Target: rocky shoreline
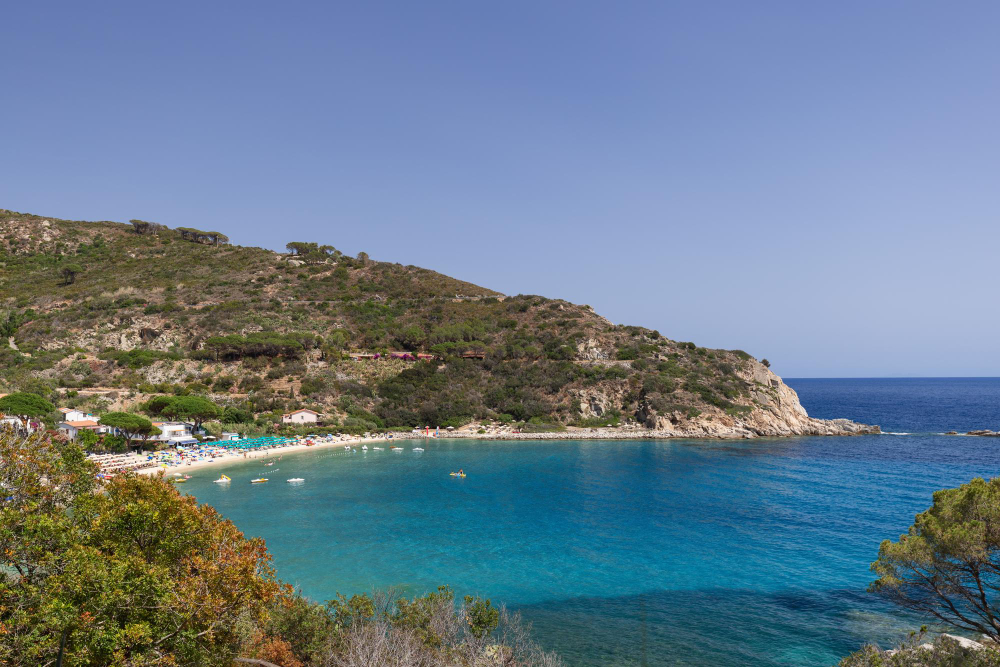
x,y
774,411
816,427
982,433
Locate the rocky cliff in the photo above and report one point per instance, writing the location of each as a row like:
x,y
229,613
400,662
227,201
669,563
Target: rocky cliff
x,y
775,410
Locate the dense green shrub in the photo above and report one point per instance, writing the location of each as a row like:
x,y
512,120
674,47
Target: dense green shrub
x,y
138,358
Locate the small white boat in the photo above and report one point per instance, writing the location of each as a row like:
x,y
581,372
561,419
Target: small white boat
x,y
259,480
397,449
223,480
364,448
378,449
418,449
295,480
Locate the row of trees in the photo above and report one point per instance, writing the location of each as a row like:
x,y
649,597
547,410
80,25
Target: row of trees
x,y
260,344
315,252
142,227
199,236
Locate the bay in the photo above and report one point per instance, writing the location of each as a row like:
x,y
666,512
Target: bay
x,y
694,552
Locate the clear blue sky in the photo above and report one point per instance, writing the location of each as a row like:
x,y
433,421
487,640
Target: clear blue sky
x,y
816,183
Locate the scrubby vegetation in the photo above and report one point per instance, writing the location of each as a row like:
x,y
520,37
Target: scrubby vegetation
x,y
152,310
942,652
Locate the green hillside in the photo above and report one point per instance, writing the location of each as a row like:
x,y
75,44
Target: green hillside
x,y
141,309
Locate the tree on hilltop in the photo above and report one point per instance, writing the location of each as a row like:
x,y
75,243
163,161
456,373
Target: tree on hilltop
x,y
330,251
144,227
948,563
301,247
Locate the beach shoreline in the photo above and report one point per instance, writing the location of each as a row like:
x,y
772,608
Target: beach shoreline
x,y
572,434
237,457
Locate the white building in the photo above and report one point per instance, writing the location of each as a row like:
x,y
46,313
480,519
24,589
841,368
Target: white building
x,y
300,417
71,429
74,415
173,431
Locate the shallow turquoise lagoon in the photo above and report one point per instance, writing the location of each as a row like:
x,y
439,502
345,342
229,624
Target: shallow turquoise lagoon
x,y
619,552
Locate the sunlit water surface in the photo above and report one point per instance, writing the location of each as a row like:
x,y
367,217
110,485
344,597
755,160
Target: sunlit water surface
x,y
627,552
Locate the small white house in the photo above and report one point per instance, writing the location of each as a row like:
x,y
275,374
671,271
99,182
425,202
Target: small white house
x,y
300,417
71,429
172,431
74,415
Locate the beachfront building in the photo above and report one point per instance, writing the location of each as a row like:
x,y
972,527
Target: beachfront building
x,y
74,415
300,417
174,433
71,429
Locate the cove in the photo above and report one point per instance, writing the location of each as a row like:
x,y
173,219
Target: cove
x,y
619,552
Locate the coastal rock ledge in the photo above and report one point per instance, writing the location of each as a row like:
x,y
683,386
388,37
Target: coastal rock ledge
x,y
770,409
774,411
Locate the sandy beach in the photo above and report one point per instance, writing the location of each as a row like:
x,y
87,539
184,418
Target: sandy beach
x,y
237,456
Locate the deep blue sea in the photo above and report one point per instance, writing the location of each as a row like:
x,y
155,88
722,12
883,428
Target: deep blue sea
x,y
637,553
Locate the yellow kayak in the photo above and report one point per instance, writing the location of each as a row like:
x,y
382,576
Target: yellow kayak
x,y
455,474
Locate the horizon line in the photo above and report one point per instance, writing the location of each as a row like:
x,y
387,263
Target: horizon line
x,y
891,377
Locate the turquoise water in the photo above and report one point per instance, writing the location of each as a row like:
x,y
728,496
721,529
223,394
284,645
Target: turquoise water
x,y
626,552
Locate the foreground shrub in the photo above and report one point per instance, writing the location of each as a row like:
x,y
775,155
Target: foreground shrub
x,y
384,629
136,574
